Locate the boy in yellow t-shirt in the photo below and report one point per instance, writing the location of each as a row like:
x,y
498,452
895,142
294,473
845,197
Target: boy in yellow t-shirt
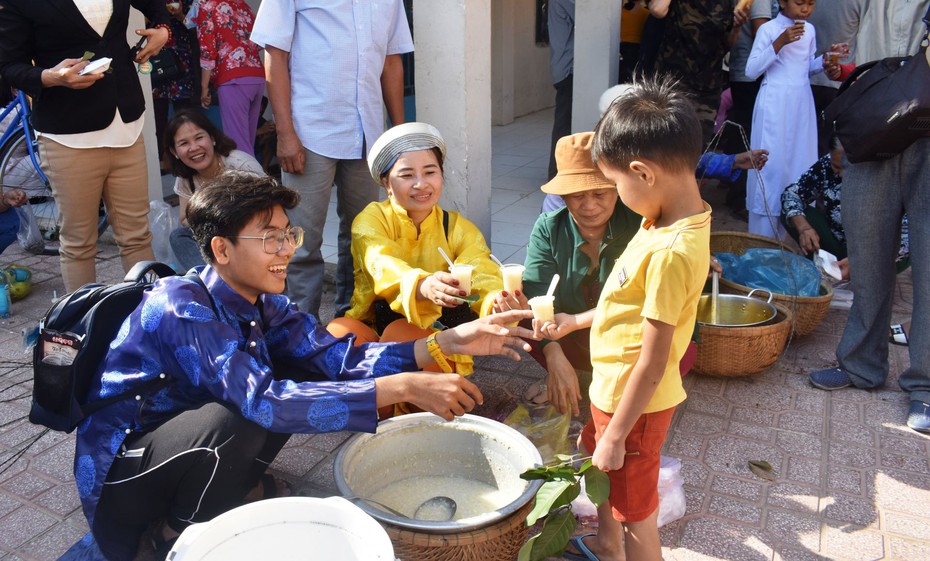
x,y
648,143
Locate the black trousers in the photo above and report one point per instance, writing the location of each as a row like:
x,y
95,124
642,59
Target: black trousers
x,y
562,121
823,95
744,100
191,468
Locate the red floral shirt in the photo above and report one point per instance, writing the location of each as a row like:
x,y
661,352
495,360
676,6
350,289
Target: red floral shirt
x,y
223,29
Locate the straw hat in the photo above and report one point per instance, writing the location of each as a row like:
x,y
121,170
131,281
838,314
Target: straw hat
x,y
576,170
407,137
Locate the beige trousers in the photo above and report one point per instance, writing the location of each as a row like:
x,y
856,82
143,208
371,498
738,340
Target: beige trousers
x,y
79,179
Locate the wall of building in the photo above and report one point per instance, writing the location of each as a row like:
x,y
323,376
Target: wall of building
x,y
520,79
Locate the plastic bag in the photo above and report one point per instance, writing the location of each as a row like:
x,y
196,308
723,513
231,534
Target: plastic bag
x,y
29,236
544,426
672,504
774,270
162,221
583,509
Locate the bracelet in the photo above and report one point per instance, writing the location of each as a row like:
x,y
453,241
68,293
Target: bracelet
x,y
434,351
167,28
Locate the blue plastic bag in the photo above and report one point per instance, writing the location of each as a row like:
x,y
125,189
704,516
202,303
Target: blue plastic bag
x,y
774,270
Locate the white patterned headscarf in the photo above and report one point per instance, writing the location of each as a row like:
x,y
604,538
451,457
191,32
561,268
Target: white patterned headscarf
x,y
408,137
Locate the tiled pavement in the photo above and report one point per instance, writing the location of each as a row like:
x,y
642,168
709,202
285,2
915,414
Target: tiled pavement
x,y
852,482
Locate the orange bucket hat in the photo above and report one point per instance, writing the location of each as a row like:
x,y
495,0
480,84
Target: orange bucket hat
x,y
576,171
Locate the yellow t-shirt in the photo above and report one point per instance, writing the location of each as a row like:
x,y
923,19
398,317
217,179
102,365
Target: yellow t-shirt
x,y
659,276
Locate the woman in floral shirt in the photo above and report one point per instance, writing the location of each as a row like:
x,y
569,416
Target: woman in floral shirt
x,y
232,62
811,210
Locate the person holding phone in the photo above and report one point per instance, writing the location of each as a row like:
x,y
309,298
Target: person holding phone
x,y
89,125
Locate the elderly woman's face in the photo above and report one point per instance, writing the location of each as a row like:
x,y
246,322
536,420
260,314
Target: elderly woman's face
x,y
591,209
415,183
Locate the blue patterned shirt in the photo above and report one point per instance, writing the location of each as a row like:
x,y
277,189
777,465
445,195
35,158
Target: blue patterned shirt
x,y
250,356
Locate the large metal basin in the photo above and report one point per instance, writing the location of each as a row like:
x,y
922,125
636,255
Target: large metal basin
x,y
735,310
420,447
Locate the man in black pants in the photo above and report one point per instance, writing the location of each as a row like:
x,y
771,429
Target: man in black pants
x,y
561,62
243,369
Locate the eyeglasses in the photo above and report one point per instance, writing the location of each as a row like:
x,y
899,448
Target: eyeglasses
x,y
273,241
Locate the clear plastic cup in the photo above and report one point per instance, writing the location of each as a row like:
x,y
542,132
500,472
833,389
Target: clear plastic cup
x,y
831,57
543,309
462,273
513,277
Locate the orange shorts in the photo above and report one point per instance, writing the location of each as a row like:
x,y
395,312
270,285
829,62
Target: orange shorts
x,y
634,493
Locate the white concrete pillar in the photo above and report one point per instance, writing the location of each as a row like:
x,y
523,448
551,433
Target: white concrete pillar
x,y
453,93
597,57
502,52
137,21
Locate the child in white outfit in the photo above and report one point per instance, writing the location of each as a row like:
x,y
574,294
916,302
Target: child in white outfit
x,y
783,120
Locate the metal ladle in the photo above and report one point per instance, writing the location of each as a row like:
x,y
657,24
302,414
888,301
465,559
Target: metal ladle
x,y
382,506
436,509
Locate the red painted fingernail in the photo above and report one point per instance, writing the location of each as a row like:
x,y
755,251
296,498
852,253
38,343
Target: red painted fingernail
x,y
462,293
504,293
516,292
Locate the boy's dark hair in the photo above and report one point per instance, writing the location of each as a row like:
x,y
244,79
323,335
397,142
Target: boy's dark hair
x,y
225,205
222,144
653,121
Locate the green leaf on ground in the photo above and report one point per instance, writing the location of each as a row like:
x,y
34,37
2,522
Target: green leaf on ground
x,y
762,469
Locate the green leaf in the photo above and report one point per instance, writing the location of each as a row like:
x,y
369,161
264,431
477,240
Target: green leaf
x,y
554,536
596,485
87,55
471,298
565,457
547,496
535,473
762,469
585,466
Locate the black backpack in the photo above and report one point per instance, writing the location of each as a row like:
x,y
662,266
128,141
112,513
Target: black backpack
x,y
74,338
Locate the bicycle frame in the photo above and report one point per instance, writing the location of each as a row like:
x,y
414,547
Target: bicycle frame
x,y
21,122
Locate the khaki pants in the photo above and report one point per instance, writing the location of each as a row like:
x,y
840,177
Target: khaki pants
x,y
79,179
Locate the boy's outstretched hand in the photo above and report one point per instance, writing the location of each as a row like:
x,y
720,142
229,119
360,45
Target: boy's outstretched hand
x,y
446,395
489,335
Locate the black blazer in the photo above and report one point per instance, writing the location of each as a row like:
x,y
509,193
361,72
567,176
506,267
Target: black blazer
x,y
38,34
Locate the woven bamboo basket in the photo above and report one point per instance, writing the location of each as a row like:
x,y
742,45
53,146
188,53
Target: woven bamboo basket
x,y
807,311
498,542
742,351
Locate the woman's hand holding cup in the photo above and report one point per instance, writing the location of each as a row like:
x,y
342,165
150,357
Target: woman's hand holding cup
x,y
442,289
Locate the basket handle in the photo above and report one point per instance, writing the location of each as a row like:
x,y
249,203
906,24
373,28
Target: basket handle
x,y
754,290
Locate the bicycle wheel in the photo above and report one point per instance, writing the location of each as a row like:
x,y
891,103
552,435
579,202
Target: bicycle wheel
x,y
17,172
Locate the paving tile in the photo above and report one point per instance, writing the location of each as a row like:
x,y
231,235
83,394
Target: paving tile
x,y
755,432
798,444
705,384
910,527
906,550
695,500
730,455
710,404
27,485
22,524
804,470
900,491
800,529
297,462
697,423
792,496
61,500
736,487
854,544
767,396
801,422
735,510
789,553
717,539
694,473
681,445
845,479
853,456
858,511
51,544
753,415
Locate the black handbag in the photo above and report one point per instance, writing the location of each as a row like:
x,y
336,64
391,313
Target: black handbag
x,y
165,67
883,107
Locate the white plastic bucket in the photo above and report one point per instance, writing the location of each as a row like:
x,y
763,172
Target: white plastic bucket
x,y
285,529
